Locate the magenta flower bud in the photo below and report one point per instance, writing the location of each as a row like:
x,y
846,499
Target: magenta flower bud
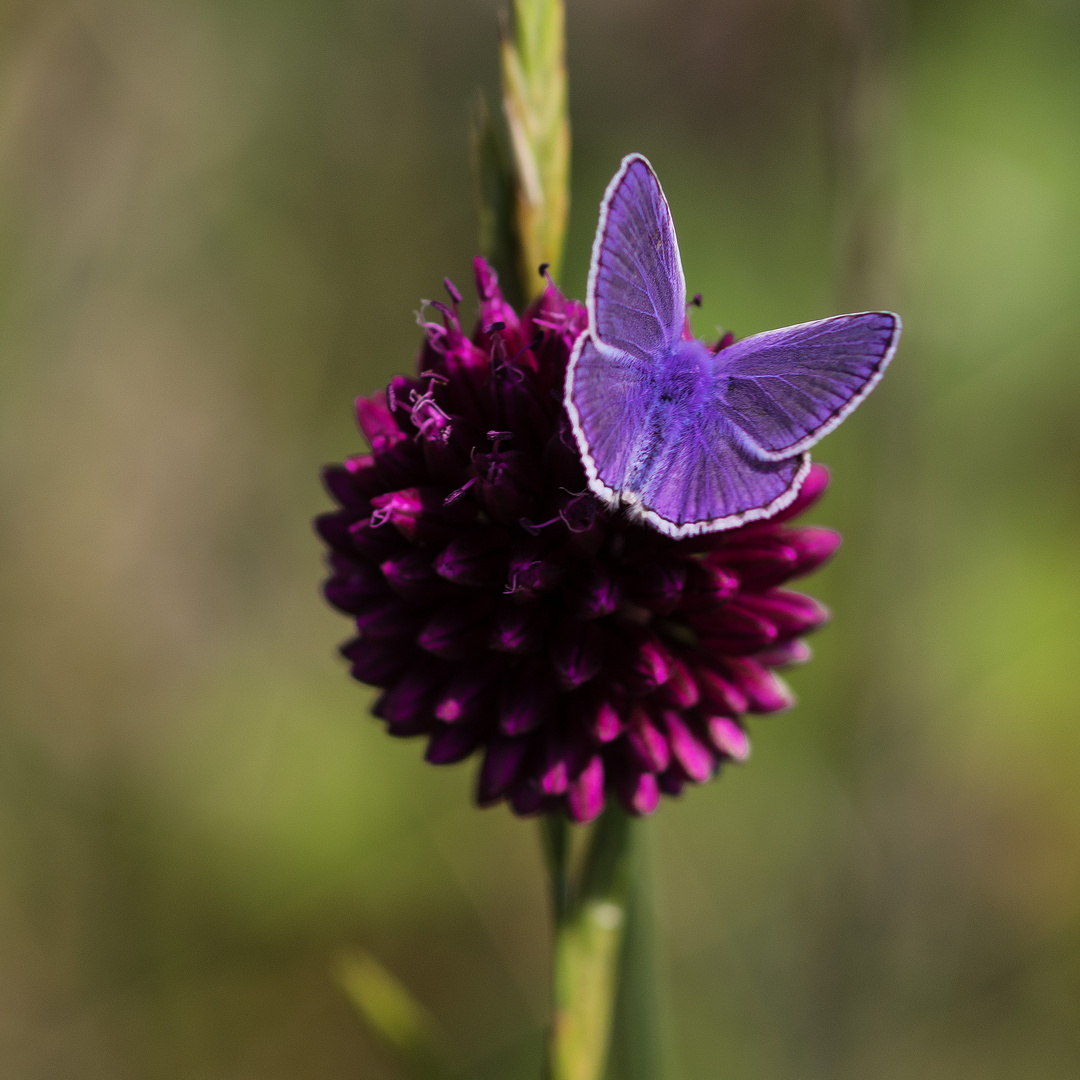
x,y
728,738
813,547
639,791
790,652
647,744
503,610
791,613
420,515
765,692
608,723
721,693
733,630
690,752
706,587
377,422
585,795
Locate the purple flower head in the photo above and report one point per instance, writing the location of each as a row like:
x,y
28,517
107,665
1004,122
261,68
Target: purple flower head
x,y
502,608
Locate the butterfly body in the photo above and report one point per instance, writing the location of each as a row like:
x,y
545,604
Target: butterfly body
x,y
690,439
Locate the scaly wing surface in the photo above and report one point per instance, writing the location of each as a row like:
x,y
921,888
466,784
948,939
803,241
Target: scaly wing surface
x,y
609,395
786,389
637,294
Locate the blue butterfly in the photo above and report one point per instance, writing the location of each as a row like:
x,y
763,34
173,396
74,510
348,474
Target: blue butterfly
x,y
695,439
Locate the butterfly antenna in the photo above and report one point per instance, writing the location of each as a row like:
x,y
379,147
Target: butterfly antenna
x,y
696,301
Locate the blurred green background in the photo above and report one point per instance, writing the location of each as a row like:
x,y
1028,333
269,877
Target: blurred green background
x,y
216,220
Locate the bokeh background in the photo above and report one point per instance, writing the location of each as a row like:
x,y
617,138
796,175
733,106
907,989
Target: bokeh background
x,y
216,220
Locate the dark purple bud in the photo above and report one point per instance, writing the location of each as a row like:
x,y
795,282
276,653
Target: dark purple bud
x,y
334,528
791,613
527,800
477,558
353,591
400,464
813,546
420,514
561,463
764,691
534,569
470,692
655,583
706,587
493,308
507,484
450,744
339,483
733,630
373,542
639,791
646,742
389,618
377,663
407,706
728,738
364,474
585,795
591,592
413,577
528,697
576,653
720,692
502,761
690,751
791,652
520,627
458,631
673,781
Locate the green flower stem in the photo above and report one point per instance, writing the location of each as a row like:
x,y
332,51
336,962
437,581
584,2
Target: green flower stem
x,y
589,927
534,86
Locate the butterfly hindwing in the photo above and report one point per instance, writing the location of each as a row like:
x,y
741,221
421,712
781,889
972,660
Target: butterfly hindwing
x,y
788,388
636,293
608,397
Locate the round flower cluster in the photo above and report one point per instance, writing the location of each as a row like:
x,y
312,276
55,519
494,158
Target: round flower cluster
x,y
501,607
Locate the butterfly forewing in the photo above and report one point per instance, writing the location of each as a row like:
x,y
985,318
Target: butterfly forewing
x,y
786,389
637,294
